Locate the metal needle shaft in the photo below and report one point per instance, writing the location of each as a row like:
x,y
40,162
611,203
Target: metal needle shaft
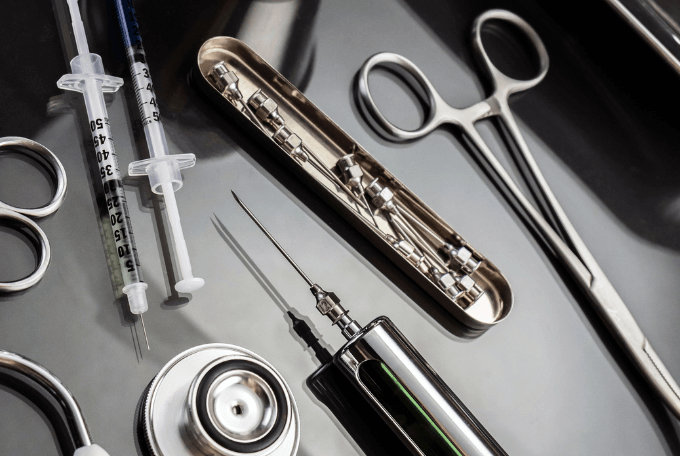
x,y
271,238
370,211
141,317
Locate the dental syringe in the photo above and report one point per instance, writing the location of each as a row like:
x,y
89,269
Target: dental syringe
x,y
162,167
394,379
88,78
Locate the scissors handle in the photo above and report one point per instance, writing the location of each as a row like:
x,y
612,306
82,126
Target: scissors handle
x,y
19,216
19,144
400,64
39,272
504,85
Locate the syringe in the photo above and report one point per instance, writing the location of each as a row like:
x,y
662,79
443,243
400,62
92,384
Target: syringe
x,y
88,78
410,397
162,168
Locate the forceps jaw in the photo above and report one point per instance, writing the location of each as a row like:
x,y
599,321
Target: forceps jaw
x,y
621,322
661,379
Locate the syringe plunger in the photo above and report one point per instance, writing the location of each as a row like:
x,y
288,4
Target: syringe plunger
x,y
165,179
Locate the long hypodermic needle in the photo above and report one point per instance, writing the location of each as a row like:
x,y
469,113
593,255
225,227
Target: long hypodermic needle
x,y
271,238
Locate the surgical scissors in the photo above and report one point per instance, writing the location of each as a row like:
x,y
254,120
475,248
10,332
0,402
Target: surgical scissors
x,y
20,216
556,232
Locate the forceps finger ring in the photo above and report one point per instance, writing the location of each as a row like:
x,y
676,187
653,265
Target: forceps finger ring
x,y
19,216
402,66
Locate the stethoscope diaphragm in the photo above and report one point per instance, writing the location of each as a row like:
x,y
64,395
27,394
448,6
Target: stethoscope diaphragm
x,y
220,399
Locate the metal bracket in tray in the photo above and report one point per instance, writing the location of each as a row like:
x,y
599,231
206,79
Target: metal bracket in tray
x,y
347,177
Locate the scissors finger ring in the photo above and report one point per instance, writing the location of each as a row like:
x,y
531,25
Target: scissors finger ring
x,y
20,216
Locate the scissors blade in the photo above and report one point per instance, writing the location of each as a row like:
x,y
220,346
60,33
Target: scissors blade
x,y
622,323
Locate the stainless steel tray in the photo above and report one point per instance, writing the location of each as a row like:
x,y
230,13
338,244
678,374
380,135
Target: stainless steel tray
x,y
485,303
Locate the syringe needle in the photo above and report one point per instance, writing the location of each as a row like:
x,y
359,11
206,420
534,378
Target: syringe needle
x,y
370,211
141,317
271,238
88,77
327,303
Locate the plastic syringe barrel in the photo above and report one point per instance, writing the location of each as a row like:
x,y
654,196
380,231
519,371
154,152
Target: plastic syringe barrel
x,y
88,78
162,167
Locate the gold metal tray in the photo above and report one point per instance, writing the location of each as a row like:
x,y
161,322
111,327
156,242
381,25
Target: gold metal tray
x,y
487,303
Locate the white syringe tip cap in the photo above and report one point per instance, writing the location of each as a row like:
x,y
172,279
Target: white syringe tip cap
x,y
189,285
137,297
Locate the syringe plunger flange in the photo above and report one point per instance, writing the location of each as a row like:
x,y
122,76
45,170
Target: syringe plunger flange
x,y
163,170
88,66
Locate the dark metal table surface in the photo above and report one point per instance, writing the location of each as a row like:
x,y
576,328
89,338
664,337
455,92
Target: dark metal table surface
x,y
549,380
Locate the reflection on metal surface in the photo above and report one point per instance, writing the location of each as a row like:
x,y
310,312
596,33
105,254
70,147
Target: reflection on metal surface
x,y
281,31
407,392
279,105
241,405
657,23
19,216
220,399
347,404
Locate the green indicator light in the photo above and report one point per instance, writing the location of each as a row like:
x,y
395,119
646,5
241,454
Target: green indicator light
x,y
406,410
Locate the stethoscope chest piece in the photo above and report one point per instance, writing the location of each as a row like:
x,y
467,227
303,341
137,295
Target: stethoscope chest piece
x,y
220,399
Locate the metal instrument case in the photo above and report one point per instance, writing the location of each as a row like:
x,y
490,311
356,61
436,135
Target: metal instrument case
x,y
329,142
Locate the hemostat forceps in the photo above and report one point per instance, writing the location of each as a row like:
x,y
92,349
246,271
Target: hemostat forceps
x,y
21,216
557,233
